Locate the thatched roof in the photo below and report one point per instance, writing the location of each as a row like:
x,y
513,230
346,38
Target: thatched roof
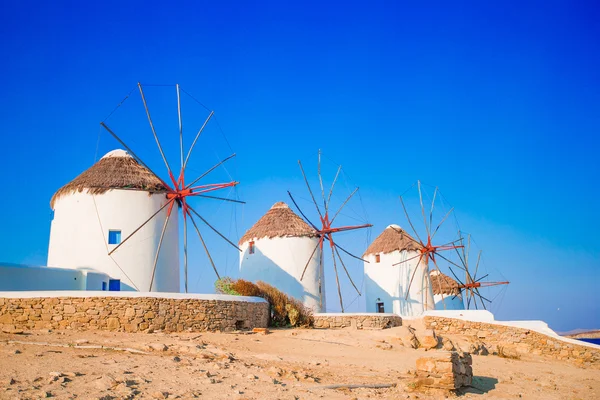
x,y
393,238
116,170
279,221
443,284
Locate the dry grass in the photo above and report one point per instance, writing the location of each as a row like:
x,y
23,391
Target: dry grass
x,y
285,310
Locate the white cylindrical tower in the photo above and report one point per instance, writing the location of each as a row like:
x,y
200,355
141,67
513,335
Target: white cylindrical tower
x,y
446,292
102,207
386,284
276,249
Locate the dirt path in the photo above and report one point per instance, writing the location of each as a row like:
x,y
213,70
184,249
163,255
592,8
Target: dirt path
x,y
286,364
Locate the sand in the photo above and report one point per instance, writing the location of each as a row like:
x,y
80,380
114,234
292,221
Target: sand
x,y
285,364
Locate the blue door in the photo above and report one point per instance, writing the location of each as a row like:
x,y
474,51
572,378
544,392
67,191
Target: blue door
x,y
114,285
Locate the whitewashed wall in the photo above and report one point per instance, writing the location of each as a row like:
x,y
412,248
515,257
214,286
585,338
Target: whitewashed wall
x,y
280,261
448,302
15,277
389,283
79,238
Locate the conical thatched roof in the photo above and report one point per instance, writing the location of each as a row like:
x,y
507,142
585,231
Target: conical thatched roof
x,y
116,170
393,238
279,221
443,284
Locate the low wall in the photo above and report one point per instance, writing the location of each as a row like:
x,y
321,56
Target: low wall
x,y
356,320
517,340
130,311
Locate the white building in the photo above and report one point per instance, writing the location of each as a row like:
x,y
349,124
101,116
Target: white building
x,y
446,292
276,250
102,207
17,277
387,285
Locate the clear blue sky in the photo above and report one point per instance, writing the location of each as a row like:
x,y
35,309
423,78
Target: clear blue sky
x,y
498,104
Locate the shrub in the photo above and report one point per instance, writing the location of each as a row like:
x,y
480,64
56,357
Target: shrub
x,y
224,286
285,310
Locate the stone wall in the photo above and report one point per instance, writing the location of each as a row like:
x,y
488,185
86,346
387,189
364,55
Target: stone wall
x,y
131,314
357,321
445,370
512,341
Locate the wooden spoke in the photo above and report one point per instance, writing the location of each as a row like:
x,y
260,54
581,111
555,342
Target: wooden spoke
x,y
311,256
209,171
408,259
439,277
423,209
309,189
346,270
140,227
204,245
442,221
350,254
477,265
337,278
410,222
154,130
185,259
213,228
332,185
187,158
162,235
451,262
343,205
220,198
432,206
321,183
180,129
138,159
300,211
412,277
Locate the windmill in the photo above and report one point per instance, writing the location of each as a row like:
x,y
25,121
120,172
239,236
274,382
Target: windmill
x,y
179,189
327,229
472,283
429,250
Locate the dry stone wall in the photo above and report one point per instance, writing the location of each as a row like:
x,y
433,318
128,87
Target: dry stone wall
x,y
131,314
513,341
445,370
357,321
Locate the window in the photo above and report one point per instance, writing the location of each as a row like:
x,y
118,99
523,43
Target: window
x,y
103,285
380,308
251,248
114,285
377,258
114,237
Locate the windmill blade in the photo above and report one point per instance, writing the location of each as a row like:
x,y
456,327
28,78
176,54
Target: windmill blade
x,y
482,297
477,265
347,252
432,206
346,270
321,183
204,245
442,221
312,196
439,276
185,235
423,209
187,158
220,198
162,235
154,130
410,222
408,259
140,227
412,277
214,229
138,159
332,186
180,132
483,277
344,204
337,278
300,211
210,170
311,256
451,262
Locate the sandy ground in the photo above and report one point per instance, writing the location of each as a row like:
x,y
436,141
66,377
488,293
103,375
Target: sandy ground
x,y
285,364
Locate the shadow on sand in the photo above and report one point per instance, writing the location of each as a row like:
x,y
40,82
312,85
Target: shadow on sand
x,y
480,385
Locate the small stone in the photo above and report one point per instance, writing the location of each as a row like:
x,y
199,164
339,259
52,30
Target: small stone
x,y
264,331
251,377
158,347
79,342
160,395
176,359
17,352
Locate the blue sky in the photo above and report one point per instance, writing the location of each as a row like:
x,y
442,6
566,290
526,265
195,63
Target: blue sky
x,y
497,104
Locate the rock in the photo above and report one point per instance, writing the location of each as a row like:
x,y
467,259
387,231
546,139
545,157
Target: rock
x,y
428,340
158,347
160,395
407,336
79,342
176,359
105,382
264,331
447,344
251,377
17,352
